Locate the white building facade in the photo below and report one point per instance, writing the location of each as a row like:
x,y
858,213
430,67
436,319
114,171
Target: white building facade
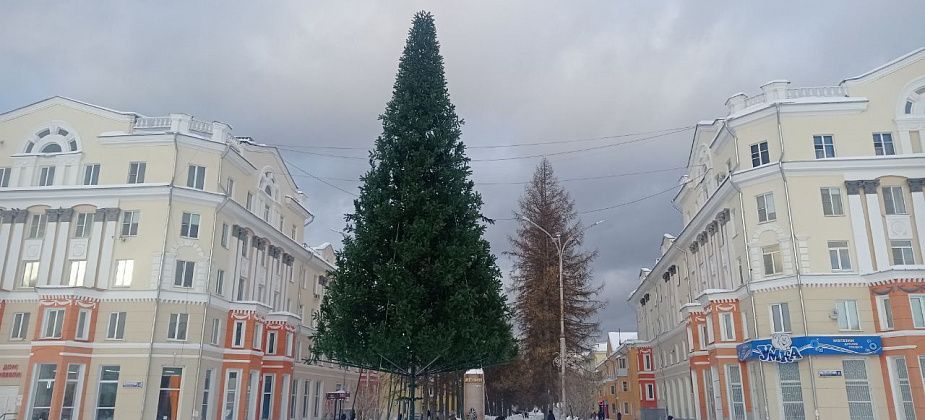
x,y
796,288
153,268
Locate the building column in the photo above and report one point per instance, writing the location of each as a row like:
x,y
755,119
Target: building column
x,y
110,217
93,249
859,227
877,233
918,208
14,223
62,218
48,242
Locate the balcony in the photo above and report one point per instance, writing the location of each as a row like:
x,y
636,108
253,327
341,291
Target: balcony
x,y
184,124
780,91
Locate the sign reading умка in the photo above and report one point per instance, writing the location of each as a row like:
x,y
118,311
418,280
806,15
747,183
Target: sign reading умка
x,y
784,348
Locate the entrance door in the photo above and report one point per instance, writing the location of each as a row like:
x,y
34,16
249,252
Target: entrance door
x,y
8,396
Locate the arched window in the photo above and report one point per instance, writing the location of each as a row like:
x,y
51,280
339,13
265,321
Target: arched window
x,y
52,137
51,148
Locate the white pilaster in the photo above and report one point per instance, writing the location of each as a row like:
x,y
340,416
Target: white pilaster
x,y
877,233
63,219
918,208
111,216
6,225
905,143
859,227
93,249
13,255
45,262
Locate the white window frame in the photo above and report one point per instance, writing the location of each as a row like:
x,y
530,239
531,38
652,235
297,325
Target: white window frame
x,y
5,177
647,362
895,382
189,225
184,274
91,174
257,339
272,342
225,235
173,328
220,282
20,328
824,143
848,318
37,224
839,255
856,382
83,225
30,274
124,269
766,208
115,329
885,141
885,312
129,225
832,196
232,396
46,176
58,325
906,252
196,177
136,172
702,336
238,331
730,386
82,326
894,200
777,263
99,388
650,391
763,156
782,309
727,326
78,273
917,303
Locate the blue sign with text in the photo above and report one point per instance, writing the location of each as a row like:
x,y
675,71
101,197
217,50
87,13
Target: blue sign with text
x,y
783,348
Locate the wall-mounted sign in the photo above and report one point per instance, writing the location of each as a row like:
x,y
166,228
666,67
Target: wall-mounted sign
x,y
132,384
829,373
337,395
784,348
10,370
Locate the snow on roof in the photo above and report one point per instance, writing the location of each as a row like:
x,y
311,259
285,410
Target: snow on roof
x,y
886,65
600,347
619,337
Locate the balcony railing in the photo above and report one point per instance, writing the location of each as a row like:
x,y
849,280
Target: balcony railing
x,y
755,100
818,91
200,126
149,123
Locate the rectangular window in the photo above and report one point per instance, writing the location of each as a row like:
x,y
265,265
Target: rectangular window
x,y
51,324
306,386
232,383
196,177
266,212
838,256
37,226
83,225
271,342
831,201
189,225
760,154
848,315
78,273
728,326
220,282
42,391
773,264
82,331
257,339
5,177
860,406
107,389
237,340
72,392
184,274
702,335
168,402
902,390
116,328
225,230
136,172
130,222
216,331
766,210
735,391
30,273
20,326
249,202
206,391
124,269
293,394
230,189
780,318
650,391
894,202
902,252
316,399
824,147
92,174
885,312
791,389
917,304
176,330
883,144
647,362
266,404
47,176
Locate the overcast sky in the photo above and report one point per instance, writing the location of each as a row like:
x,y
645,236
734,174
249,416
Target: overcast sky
x,y
319,73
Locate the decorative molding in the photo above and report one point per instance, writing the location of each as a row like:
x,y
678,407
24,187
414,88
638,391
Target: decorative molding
x,y
60,214
853,187
107,214
915,184
870,186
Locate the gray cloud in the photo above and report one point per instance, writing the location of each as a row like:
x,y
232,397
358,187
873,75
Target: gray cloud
x,y
313,73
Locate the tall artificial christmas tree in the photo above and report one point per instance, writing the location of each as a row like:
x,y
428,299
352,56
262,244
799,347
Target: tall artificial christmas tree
x,y
416,290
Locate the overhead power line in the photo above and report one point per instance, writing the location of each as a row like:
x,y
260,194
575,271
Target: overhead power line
x,y
300,169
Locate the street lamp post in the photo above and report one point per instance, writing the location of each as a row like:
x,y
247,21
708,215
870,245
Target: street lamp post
x,y
560,248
